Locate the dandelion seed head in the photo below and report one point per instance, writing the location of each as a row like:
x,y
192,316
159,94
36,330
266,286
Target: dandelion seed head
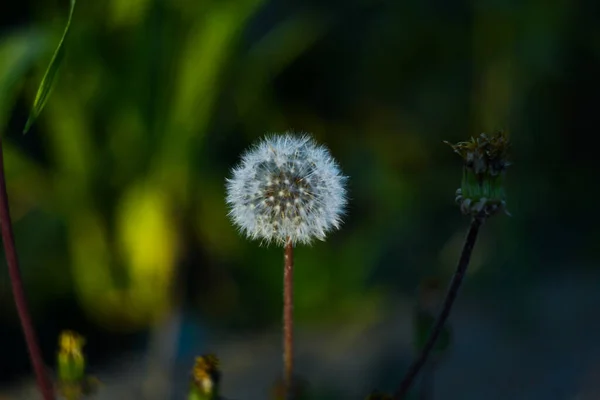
x,y
286,186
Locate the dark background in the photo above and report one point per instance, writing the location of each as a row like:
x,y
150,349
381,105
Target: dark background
x,y
117,193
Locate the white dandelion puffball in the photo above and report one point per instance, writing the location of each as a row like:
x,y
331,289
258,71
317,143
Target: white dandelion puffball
x,y
286,187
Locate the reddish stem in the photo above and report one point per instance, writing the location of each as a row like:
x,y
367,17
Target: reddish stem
x,y
43,382
288,318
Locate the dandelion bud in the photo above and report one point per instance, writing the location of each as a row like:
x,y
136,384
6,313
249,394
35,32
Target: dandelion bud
x,y
73,383
206,377
485,163
286,187
71,362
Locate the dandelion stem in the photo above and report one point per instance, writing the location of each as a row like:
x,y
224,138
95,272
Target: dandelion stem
x,y
457,279
288,317
43,382
428,381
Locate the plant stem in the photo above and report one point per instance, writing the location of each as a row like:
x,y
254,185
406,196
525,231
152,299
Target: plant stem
x,y
428,381
288,317
457,279
43,382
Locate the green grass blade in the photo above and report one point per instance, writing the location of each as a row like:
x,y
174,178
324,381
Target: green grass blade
x,y
45,87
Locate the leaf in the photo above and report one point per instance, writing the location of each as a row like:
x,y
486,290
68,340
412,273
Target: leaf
x,y
45,87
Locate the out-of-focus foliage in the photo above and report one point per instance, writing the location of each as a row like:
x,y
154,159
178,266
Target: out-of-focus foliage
x,y
129,170
121,186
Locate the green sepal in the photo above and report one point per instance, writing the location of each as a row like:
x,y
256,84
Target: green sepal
x,y
70,369
477,186
196,394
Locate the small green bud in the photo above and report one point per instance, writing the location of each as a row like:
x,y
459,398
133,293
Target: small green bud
x,y
485,163
73,384
71,361
206,378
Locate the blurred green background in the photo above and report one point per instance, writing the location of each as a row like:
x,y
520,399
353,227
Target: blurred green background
x,y
117,192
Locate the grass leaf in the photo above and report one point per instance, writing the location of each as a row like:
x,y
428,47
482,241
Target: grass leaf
x,y
45,87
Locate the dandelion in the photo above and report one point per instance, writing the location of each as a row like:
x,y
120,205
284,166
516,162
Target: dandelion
x,y
287,189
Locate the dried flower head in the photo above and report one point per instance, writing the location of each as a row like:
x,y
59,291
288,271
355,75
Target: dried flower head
x,y
485,162
485,154
287,187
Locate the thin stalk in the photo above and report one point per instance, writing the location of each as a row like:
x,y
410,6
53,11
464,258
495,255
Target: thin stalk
x,y
428,381
288,317
43,382
457,279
